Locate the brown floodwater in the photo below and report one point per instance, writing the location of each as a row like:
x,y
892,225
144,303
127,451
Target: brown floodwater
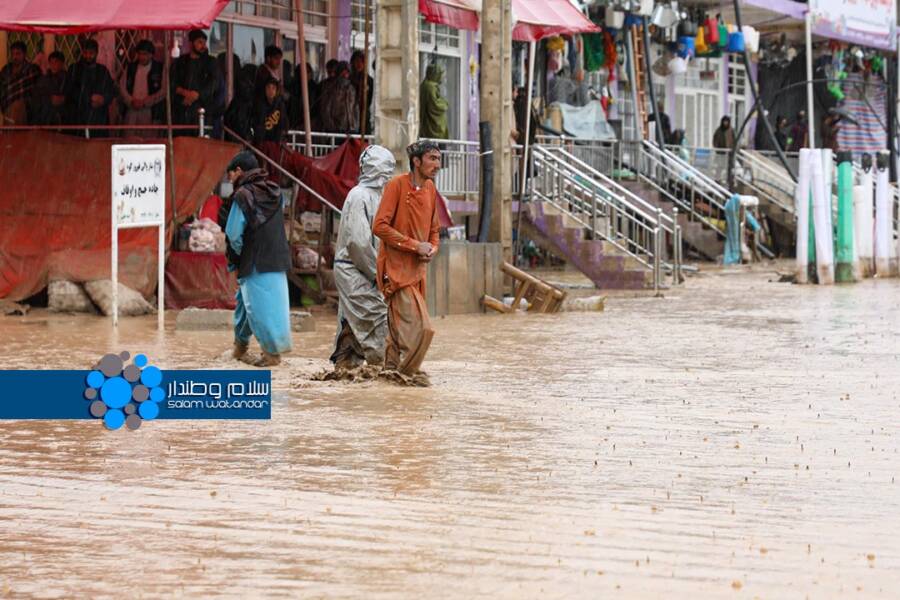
x,y
738,438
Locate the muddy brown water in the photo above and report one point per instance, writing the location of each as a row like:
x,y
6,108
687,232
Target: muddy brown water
x,y
738,438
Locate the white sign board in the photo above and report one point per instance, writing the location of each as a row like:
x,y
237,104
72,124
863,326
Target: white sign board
x,y
138,200
139,184
869,23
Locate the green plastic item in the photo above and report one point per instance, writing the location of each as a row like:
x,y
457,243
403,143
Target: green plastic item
x,y
843,271
723,35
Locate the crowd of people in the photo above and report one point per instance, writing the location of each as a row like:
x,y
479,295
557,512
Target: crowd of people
x,y
267,99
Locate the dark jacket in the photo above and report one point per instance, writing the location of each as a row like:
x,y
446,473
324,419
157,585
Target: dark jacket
x,y
83,81
201,75
239,116
49,85
265,248
154,84
269,120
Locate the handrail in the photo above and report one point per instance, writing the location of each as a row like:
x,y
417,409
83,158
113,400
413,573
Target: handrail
x,y
282,170
631,196
775,177
634,231
574,182
696,174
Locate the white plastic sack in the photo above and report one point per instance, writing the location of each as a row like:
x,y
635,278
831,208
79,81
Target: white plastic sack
x,y
131,303
67,296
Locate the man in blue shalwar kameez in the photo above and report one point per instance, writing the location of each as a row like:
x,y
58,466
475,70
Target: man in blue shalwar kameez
x,y
258,249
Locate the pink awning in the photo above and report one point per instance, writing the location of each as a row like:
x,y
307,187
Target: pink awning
x,y
537,19
461,14
78,16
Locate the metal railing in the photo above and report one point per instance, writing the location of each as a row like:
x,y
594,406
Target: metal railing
x,y
684,186
600,155
605,212
460,168
322,143
767,179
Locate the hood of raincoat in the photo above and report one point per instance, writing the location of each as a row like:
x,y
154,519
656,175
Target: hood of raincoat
x,y
434,73
376,166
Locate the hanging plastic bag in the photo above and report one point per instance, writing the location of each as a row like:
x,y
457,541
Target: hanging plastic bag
x,y
712,32
723,33
736,42
700,42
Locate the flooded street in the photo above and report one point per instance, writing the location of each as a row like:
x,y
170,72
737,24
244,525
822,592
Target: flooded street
x,y
739,438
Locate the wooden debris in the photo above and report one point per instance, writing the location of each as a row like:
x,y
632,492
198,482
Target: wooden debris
x,y
540,295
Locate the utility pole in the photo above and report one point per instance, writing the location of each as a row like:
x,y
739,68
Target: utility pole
x,y
496,108
397,76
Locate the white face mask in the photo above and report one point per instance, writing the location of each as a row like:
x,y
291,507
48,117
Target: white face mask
x,y
226,189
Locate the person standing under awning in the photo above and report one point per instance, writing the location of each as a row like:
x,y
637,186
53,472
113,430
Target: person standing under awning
x,y
407,223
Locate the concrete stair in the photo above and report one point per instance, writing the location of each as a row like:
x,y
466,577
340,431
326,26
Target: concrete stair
x,y
603,263
695,234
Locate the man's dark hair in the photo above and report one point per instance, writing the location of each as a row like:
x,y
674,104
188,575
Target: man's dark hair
x,y
341,67
244,160
196,34
271,81
90,44
420,149
357,54
19,46
57,55
331,64
146,46
272,51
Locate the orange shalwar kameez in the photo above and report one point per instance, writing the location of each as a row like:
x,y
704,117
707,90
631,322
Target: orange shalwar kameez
x,y
407,216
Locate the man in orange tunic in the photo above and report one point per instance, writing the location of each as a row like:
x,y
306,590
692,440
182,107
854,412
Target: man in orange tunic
x,y
407,224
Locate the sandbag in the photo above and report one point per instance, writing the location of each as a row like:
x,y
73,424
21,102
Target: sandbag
x,y
68,296
131,303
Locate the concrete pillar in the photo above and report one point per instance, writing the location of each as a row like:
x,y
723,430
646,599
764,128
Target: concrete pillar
x,y
397,77
496,107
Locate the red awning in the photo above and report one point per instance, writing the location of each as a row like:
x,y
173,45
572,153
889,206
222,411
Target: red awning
x,y
537,19
77,16
461,14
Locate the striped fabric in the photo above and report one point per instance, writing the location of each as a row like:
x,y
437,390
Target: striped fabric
x,y
869,135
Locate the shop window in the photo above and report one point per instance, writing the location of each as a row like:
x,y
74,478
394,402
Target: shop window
x,y
250,43
270,9
737,79
126,42
450,87
315,13
70,46
34,42
439,36
358,16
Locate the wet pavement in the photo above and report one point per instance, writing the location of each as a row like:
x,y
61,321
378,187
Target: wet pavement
x,y
739,438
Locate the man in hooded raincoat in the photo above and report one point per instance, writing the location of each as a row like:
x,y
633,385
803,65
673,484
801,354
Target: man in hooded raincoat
x,y
258,249
433,118
362,313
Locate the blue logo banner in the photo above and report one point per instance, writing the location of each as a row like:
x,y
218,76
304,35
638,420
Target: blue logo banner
x,y
129,394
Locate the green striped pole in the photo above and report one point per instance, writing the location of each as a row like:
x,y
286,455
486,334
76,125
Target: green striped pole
x,y
844,247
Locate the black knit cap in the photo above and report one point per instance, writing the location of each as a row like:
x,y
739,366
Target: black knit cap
x,y
196,34
245,161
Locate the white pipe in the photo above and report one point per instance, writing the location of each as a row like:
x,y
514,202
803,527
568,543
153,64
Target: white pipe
x,y
801,209
883,220
822,220
532,49
863,207
810,117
